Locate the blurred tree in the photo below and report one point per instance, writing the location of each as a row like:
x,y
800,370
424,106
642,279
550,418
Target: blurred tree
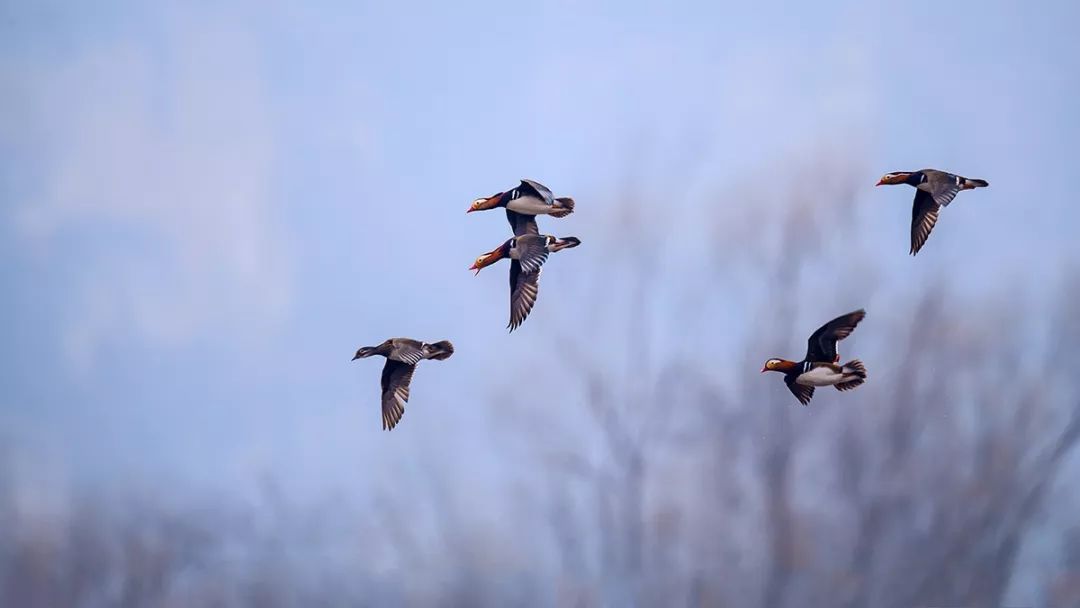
x,y
673,474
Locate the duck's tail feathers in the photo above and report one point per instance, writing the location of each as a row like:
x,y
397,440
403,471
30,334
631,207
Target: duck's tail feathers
x,y
564,206
975,183
440,350
566,242
857,372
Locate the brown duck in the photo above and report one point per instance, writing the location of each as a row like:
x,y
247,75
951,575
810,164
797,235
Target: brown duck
x,y
820,367
402,355
933,190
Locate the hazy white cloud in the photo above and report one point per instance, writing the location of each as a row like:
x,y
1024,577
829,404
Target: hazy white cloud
x,y
159,154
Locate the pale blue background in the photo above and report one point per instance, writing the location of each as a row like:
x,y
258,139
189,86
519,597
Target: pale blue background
x,y
204,211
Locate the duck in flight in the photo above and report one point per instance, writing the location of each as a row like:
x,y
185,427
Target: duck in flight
x,y
821,365
527,252
402,355
528,199
933,190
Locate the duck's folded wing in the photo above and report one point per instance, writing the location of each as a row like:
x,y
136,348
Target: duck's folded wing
x,y
522,224
524,289
802,392
532,252
924,215
540,189
944,186
822,343
396,377
410,352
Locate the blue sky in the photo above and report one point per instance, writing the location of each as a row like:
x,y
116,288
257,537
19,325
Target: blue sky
x,y
204,211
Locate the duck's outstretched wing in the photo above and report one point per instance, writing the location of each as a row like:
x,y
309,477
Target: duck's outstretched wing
x,y
396,377
524,289
924,215
822,343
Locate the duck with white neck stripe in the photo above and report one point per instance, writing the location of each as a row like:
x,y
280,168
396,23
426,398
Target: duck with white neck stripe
x,y
821,365
933,190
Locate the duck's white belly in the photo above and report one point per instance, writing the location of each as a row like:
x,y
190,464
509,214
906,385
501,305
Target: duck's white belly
x,y
529,205
820,376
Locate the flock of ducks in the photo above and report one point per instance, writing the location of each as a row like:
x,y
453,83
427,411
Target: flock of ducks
x,y
528,250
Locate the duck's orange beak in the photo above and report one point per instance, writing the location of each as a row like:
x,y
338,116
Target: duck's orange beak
x,y
764,369
880,182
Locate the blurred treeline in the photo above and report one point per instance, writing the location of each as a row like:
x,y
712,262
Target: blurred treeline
x,y
662,470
